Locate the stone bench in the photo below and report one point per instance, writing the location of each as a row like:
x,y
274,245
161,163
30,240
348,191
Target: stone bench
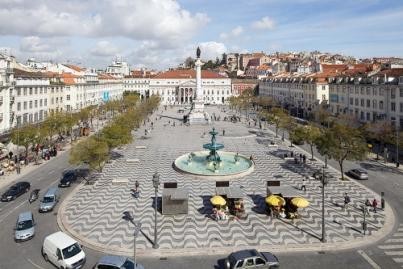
x,y
141,147
120,181
132,160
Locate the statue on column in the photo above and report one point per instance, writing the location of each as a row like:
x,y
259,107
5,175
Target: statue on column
x,y
198,52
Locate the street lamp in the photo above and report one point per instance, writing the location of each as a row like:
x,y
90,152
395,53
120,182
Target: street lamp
x,y
137,227
156,183
323,179
397,147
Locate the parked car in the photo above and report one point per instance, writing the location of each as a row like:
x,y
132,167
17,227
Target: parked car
x,y
251,258
358,173
63,251
15,190
116,262
49,200
25,227
68,177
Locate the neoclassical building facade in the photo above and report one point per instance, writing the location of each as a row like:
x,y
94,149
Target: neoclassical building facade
x,y
179,87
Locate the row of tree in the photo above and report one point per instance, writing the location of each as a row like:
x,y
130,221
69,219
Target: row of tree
x,y
96,150
339,138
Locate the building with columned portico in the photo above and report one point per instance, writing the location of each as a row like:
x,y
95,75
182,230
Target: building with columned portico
x,y
179,86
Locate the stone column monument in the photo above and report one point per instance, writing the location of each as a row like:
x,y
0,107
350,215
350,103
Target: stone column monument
x,y
197,114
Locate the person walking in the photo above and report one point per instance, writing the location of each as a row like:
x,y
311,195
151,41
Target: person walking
x,y
303,187
223,132
347,200
136,186
374,204
304,158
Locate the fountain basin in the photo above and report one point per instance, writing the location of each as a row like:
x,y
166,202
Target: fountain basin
x,y
228,168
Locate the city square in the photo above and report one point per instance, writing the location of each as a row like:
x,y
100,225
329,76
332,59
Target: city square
x,y
94,213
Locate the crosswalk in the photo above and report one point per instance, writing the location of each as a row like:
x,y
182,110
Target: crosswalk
x,y
394,246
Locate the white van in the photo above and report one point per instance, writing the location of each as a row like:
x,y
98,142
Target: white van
x,y
63,251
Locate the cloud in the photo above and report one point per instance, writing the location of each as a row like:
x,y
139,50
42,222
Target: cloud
x,y
162,20
104,49
233,33
265,23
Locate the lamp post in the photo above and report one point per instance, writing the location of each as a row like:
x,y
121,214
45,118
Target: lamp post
x,y
136,232
323,179
397,147
156,183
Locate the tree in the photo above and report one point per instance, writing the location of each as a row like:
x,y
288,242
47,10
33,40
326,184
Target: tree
x,y
91,151
297,135
311,134
345,143
323,144
190,62
24,136
276,117
380,131
116,135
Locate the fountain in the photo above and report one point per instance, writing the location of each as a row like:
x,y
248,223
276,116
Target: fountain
x,y
214,163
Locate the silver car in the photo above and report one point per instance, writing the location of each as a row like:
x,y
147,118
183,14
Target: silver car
x,y
251,258
49,200
358,173
116,262
25,228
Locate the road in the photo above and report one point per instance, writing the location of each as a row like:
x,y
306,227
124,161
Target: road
x,y
28,254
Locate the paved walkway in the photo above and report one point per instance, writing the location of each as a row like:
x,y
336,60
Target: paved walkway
x,y
93,214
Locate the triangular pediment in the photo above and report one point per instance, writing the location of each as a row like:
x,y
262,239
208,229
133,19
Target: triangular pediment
x,y
188,83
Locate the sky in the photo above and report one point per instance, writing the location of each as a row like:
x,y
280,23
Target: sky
x,y
163,33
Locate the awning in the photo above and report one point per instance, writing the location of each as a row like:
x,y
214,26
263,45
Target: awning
x,y
230,192
285,191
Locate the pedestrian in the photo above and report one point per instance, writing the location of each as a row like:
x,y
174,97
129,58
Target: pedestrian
x,y
374,204
136,185
303,187
368,204
249,124
223,132
292,153
300,157
251,158
347,200
304,158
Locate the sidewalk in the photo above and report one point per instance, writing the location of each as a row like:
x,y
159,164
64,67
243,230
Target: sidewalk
x,y
10,177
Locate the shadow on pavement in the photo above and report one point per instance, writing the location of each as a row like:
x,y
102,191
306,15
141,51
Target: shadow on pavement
x,y
375,166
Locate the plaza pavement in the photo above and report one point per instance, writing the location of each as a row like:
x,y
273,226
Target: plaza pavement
x,y
94,213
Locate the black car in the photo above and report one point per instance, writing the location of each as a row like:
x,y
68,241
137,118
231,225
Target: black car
x,y
251,258
68,177
15,190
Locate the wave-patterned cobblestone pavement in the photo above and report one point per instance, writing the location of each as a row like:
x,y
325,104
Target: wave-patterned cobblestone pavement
x,y
95,212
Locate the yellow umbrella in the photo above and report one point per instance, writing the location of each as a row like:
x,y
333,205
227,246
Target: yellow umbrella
x,y
218,200
300,202
275,200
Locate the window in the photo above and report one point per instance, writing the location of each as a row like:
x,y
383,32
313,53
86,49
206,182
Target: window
x,y
25,105
374,92
18,106
392,93
36,90
380,104
362,90
36,103
374,104
362,102
41,90
393,106
249,262
40,103
260,261
368,103
401,91
368,116
25,91
401,107
351,101
239,264
45,102
30,91
18,91
356,101
30,104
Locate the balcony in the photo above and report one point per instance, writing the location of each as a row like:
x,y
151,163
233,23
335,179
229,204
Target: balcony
x,y
12,100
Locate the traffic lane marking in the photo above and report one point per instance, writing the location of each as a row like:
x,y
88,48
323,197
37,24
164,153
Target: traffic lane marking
x,y
34,264
368,259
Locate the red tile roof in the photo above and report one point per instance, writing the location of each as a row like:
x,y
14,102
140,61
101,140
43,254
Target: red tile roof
x,y
75,67
394,72
187,73
68,78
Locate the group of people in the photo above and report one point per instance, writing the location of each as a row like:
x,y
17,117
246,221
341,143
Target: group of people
x,y
368,204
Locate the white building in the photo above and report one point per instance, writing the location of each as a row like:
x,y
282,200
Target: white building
x,y
6,92
118,69
369,96
179,86
139,84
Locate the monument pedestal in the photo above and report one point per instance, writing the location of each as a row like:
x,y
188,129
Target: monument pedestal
x,y
197,114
